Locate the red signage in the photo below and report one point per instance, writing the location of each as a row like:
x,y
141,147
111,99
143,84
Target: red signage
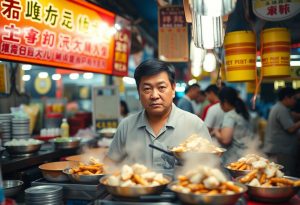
x,y
61,33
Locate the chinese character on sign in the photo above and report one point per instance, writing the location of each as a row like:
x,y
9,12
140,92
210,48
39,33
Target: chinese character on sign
x,y
11,9
67,20
33,11
31,36
51,16
64,42
13,33
272,10
48,39
83,23
284,9
77,45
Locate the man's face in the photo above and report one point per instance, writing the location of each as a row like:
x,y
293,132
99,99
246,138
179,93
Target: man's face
x,y
210,96
195,93
292,101
156,93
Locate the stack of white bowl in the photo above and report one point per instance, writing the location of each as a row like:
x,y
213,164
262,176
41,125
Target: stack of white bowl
x,y
5,123
44,194
20,128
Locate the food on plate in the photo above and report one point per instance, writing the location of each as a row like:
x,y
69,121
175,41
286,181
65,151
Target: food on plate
x,y
251,162
92,168
195,143
205,180
136,175
267,175
22,142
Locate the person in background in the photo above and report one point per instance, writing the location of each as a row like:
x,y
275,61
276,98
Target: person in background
x,y
214,117
123,109
160,123
235,130
200,103
281,141
211,93
191,94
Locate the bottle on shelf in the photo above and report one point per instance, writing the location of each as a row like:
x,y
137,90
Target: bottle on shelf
x,y
64,128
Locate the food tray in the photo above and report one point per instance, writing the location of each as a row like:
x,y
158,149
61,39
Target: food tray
x,y
74,190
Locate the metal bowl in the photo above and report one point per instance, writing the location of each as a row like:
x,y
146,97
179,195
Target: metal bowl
x,y
273,194
133,191
23,150
107,132
53,171
205,199
237,173
70,143
12,187
184,155
85,179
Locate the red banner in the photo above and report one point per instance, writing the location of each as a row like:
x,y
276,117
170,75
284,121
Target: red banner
x,y
122,47
61,33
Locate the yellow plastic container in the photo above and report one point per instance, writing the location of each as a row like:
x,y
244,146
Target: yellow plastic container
x,y
276,50
240,56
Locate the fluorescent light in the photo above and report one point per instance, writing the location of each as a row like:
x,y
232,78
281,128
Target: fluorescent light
x,y
112,31
26,67
295,63
258,64
179,89
128,80
88,75
193,81
26,77
56,76
74,76
43,75
118,26
210,62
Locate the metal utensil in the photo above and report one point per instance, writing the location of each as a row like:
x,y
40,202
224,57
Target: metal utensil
x,y
23,150
220,199
70,143
12,187
272,194
162,150
133,191
237,173
87,179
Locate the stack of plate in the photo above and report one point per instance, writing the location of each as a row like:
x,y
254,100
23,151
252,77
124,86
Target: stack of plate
x,y
45,194
20,128
5,123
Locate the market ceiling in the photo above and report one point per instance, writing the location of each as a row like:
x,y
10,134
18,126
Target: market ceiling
x,y
143,14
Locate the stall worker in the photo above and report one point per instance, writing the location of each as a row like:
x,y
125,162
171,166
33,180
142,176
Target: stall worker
x,y
160,122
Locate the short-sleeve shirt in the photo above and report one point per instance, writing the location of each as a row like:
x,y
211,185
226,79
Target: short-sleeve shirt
x,y
214,116
185,103
277,138
242,134
133,136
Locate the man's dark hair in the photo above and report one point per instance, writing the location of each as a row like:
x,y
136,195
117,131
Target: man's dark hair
x,y
212,88
202,92
153,67
188,88
286,92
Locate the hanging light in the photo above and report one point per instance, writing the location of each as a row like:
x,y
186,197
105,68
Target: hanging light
x,y
213,7
210,62
207,31
196,57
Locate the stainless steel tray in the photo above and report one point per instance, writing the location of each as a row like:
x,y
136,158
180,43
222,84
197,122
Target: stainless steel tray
x,y
74,190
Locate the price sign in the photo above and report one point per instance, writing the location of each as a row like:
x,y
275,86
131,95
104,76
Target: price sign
x,y
106,107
